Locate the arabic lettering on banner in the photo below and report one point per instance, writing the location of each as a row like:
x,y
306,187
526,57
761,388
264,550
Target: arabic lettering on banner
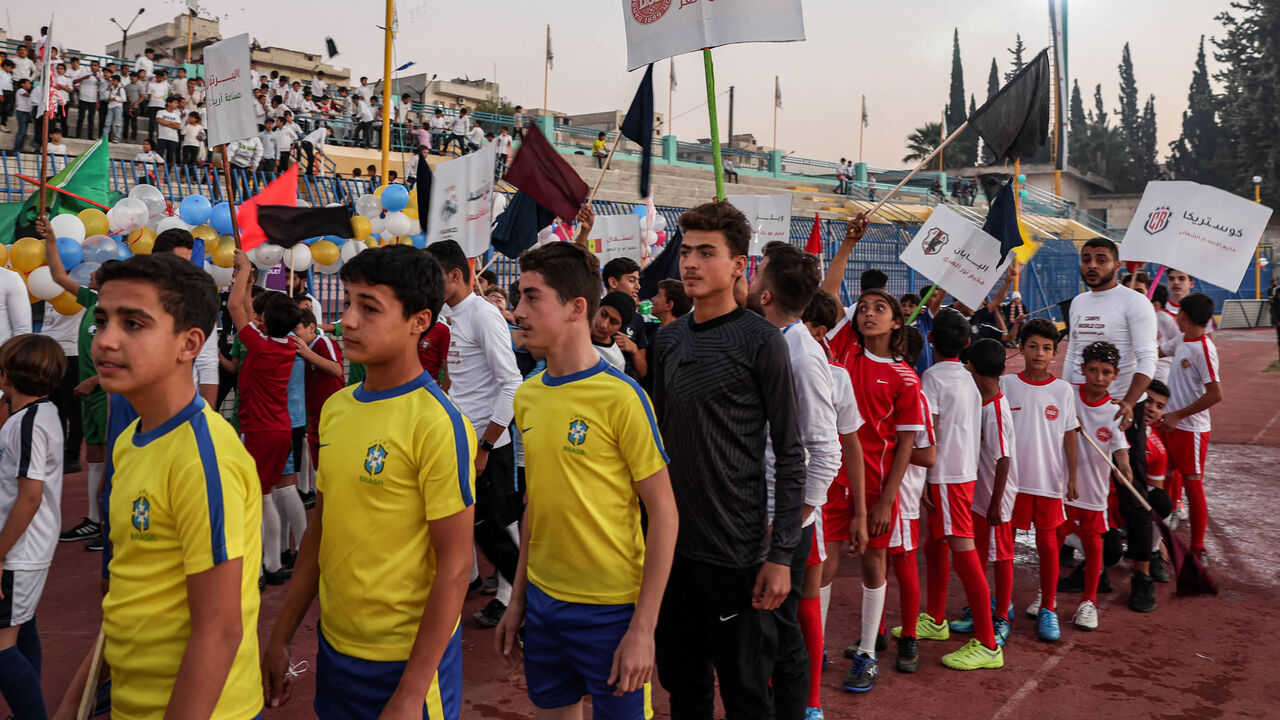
x,y
957,255
229,99
769,215
615,236
658,29
1200,229
461,206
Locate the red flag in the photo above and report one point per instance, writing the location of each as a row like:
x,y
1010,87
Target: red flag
x,y
814,246
543,175
281,191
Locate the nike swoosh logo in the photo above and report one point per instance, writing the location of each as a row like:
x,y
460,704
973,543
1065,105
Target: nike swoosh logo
x,y
724,618
882,382
525,430
322,445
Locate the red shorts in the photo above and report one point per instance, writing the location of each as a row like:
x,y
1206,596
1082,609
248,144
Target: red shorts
x,y
1045,512
904,535
885,539
999,539
817,548
1081,521
313,441
1187,450
270,450
837,514
951,516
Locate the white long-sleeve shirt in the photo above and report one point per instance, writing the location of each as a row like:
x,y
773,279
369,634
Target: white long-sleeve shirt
x,y
246,153
815,396
482,365
1122,317
15,305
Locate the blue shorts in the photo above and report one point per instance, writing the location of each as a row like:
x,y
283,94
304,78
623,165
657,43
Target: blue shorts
x,y
568,653
349,688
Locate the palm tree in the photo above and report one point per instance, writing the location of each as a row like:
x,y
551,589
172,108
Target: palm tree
x,y
923,140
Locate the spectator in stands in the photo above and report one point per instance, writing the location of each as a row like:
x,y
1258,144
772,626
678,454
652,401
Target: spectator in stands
x,y
178,85
147,160
364,119
145,65
270,150
313,145
730,175
476,138
63,86
439,132
503,151
375,180
318,86
873,279
421,137
55,147
459,130
157,93
22,111
192,139
169,121
135,93
115,98
286,136
86,82
24,68
935,188
598,150
6,92
871,187
245,154
104,86
517,123
842,177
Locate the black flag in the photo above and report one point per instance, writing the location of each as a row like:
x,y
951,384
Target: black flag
x,y
1002,221
422,183
330,46
286,226
638,126
1014,122
665,266
516,229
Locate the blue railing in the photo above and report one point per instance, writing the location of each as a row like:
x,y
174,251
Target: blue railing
x,y
11,47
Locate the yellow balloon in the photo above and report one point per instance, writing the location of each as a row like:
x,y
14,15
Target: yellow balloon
x,y
361,227
370,242
324,252
4,255
378,193
404,240
95,222
413,199
141,241
26,255
205,233
66,304
412,211
224,253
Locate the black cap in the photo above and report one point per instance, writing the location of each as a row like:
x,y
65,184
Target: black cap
x,y
623,303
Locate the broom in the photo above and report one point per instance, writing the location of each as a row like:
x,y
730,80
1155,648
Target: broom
x,y
1193,578
89,695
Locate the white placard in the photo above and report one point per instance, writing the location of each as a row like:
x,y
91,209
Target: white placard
x,y
615,236
229,94
461,206
957,255
658,29
769,215
1201,230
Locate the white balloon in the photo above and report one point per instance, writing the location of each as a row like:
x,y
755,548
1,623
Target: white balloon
x,y
170,223
40,283
329,269
397,223
659,222
499,204
377,225
151,196
368,205
266,256
651,237
350,249
68,226
130,214
298,258
221,276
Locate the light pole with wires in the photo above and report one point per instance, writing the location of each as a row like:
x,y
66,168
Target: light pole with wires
x,y
124,40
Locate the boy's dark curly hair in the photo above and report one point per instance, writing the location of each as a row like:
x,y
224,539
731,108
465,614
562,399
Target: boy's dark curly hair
x,y
1101,352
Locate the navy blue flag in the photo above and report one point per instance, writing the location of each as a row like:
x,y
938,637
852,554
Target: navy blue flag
x,y
516,229
1002,221
422,183
638,127
665,266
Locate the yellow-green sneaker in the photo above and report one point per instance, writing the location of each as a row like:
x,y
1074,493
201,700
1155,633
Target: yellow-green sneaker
x,y
926,629
974,656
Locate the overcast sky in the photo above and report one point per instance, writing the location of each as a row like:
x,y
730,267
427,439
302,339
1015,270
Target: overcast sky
x,y
896,53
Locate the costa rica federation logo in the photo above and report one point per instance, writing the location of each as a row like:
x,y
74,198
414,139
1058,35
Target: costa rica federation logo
x,y
141,517
375,459
1157,220
1051,412
1104,434
578,431
646,12
934,241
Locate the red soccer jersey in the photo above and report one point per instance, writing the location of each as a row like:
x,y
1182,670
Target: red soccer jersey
x,y
1157,456
264,381
320,384
888,393
433,348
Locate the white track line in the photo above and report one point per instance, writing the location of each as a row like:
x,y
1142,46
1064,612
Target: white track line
x,y
1265,427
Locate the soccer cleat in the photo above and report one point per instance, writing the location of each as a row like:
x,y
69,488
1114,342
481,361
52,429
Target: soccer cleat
x,y
279,577
1066,556
882,644
1181,513
1159,570
308,499
1033,610
927,629
974,656
475,586
1142,593
964,624
86,530
491,584
491,615
908,655
95,545
862,675
1002,629
1074,582
288,558
813,714
1104,582
1047,625
1086,617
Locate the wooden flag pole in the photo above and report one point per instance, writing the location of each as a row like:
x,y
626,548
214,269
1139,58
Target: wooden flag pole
x,y
54,188
231,194
44,151
89,696
710,72
923,163
616,140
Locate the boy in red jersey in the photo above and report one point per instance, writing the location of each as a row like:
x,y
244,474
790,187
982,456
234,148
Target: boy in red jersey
x,y
1044,458
324,375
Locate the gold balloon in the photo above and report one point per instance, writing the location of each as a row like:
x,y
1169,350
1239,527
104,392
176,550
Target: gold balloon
x,y
411,211
223,253
4,255
26,255
370,242
141,241
324,252
413,199
66,304
205,233
95,222
361,227
378,193
404,240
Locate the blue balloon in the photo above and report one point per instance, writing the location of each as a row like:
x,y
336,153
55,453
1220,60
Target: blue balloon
x,y
419,240
102,251
220,218
313,240
640,210
195,209
395,198
70,252
83,273
123,252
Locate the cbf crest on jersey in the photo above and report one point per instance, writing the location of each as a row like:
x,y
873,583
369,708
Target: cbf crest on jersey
x,y
141,517
375,459
578,432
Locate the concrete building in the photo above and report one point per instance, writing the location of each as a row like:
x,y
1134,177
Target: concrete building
x,y
170,38
611,120
455,93
295,65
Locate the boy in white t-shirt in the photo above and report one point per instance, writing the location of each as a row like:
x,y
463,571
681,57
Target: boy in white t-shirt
x,y
169,121
1195,385
31,367
192,138
1087,507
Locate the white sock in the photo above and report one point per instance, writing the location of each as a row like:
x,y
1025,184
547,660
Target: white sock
x,y
1155,542
514,531
1073,540
504,590
824,597
872,609
293,512
97,471
304,473
475,564
270,534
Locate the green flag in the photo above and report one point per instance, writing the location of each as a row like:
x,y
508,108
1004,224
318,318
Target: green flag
x,y
87,175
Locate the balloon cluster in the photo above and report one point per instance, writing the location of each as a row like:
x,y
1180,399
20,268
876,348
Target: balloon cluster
x,y
656,235
387,216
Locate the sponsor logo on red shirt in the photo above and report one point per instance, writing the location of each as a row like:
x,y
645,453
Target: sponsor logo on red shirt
x,y
1051,413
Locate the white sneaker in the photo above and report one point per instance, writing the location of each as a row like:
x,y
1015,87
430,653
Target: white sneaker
x,y
1033,610
1181,513
1086,617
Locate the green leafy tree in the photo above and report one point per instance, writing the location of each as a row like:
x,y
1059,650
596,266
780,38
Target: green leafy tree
x,y
924,139
1079,122
1140,168
967,143
1249,105
1194,154
993,80
1017,51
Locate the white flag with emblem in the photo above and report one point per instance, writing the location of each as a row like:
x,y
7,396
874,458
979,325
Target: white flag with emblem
x,y
658,29
957,255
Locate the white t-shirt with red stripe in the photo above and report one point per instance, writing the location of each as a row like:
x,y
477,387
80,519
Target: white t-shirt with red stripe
x,y
1093,474
913,482
1168,336
997,442
847,418
1043,412
1195,364
957,409
1175,308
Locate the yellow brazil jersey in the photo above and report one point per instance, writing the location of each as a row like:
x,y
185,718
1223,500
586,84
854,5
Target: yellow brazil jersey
x,y
390,462
588,439
184,498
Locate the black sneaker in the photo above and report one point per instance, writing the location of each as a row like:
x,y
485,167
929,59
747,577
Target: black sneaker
x,y
491,585
288,558
279,577
908,655
1067,556
95,545
86,530
1074,582
308,499
71,465
1159,570
475,586
882,644
262,579
491,615
1104,582
1142,593
862,675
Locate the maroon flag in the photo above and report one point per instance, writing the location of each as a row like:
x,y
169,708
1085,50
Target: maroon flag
x,y
543,175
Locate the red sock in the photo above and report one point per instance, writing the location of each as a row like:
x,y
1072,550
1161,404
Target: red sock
x,y
938,573
904,567
1199,512
1047,545
810,614
1173,483
1004,588
881,630
978,593
1092,565
981,539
